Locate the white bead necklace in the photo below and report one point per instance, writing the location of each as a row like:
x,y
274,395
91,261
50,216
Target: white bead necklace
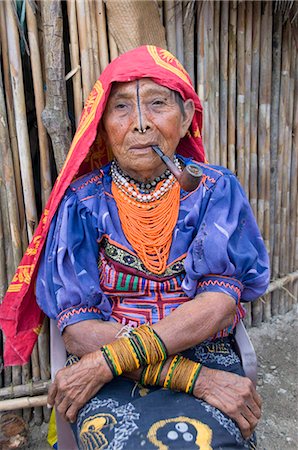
x,y
130,189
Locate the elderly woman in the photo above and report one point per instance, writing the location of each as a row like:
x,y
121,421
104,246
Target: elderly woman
x,y
144,278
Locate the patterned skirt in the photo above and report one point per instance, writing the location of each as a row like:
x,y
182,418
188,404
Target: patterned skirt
x,y
127,415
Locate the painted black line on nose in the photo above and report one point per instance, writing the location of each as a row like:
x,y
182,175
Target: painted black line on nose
x,y
139,105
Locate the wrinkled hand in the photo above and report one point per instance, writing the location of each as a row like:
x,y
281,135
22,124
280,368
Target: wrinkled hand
x,y
233,395
75,385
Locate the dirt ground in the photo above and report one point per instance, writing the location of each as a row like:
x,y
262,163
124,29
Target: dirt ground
x,y
276,344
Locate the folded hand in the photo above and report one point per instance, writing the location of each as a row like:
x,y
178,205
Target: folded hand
x,y
75,385
234,395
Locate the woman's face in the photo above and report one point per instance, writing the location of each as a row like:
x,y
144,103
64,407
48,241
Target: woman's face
x,y
144,105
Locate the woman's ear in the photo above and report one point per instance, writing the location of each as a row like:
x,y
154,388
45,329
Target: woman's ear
x,y
189,110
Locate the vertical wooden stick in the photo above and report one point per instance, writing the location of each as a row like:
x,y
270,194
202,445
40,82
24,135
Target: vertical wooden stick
x,y
12,125
240,90
84,53
75,58
45,171
216,82
232,87
188,38
179,32
21,120
102,34
170,25
223,83
275,173
248,47
257,306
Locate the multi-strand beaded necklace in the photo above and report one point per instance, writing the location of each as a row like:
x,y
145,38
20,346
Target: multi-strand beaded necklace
x,y
148,213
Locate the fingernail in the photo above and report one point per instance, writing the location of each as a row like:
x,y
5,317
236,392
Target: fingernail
x,y
49,406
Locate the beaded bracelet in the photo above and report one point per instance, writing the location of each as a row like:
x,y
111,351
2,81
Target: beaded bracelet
x,y
182,374
151,374
143,347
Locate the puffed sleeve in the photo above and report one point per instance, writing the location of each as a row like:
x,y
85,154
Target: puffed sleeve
x,y
67,287
228,253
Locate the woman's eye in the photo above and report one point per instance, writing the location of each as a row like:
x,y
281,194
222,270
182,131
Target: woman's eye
x,y
120,106
158,102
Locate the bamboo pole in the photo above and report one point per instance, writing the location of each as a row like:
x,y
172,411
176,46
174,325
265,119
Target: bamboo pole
x,y
12,125
257,306
75,59
21,120
264,133
23,402
285,229
55,114
102,34
274,129
113,47
209,80
294,182
94,40
216,82
89,42
232,86
206,80
247,105
45,172
200,53
188,38
29,389
9,183
223,83
281,250
84,52
170,25
240,91
179,31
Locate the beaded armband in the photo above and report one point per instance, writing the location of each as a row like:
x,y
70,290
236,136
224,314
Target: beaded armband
x,y
142,347
182,374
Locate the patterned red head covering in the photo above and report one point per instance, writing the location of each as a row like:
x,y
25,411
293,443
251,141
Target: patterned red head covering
x,y
20,317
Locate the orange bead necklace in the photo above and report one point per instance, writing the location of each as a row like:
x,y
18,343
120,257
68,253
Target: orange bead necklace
x,y
149,227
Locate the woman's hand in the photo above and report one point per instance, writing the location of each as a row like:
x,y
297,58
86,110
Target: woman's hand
x,y
233,395
75,385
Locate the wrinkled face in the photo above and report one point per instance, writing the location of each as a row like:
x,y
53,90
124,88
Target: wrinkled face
x,y
143,105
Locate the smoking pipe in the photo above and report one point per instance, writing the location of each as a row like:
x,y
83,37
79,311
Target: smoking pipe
x,y
190,176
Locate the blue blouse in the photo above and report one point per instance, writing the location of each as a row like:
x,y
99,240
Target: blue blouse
x,y
90,271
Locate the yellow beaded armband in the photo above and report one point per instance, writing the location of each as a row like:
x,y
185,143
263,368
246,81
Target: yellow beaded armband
x,y
141,348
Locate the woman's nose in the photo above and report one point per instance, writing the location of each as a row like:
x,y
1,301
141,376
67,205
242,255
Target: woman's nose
x,y
141,119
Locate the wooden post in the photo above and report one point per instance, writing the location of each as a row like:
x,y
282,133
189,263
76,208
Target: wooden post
x,y
21,119
45,169
257,306
12,125
75,59
223,83
170,25
232,87
240,91
248,47
264,132
179,31
102,34
55,114
188,38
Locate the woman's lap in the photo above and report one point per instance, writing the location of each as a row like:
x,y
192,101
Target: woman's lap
x,y
125,415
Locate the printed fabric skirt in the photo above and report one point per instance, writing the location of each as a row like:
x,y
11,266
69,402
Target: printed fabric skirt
x,y
126,415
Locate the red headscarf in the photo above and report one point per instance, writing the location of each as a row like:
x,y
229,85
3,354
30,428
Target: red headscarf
x,y
20,317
